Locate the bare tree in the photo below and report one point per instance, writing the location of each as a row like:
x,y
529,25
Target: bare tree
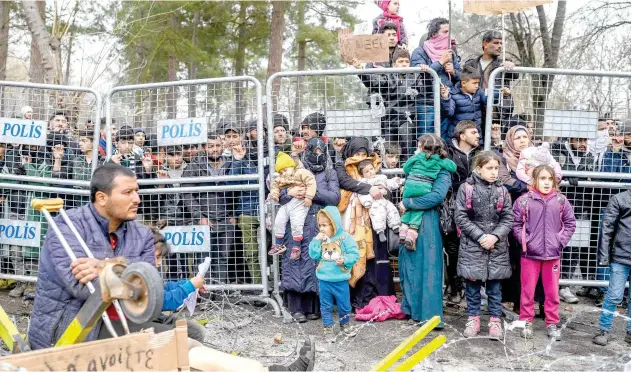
x,y
48,46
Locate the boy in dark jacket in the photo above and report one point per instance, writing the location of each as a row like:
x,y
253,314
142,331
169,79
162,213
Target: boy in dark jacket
x,y
614,251
401,93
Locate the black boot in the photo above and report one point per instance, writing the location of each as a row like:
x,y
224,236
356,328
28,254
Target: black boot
x,y
305,361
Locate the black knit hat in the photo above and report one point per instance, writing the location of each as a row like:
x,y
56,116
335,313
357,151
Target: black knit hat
x,y
315,121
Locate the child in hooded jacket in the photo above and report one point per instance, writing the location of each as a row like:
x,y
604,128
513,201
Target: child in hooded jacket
x,y
336,252
544,223
484,216
421,171
390,10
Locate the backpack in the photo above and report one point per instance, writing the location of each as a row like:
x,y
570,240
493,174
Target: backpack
x,y
446,214
469,190
523,204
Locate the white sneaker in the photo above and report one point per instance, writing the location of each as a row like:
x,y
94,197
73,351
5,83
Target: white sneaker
x,y
567,296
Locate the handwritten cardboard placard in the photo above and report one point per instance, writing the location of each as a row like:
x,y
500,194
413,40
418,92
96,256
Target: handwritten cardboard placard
x,y
364,48
491,7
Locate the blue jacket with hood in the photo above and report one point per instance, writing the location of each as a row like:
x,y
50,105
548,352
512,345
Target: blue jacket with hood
x,y
340,245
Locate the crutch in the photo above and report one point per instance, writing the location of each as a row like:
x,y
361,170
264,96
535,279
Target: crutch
x,y
57,205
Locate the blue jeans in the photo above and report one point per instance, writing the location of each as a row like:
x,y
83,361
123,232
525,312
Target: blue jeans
x,y
338,292
425,119
473,297
619,274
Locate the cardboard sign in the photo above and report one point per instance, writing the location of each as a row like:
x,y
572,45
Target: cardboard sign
x,y
491,7
144,351
364,48
185,239
22,233
23,131
187,131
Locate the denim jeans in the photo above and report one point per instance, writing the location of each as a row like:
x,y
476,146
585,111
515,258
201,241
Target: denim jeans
x,y
619,275
473,297
338,292
425,119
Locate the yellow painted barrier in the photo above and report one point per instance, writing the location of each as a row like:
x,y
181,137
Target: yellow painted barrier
x,y
408,344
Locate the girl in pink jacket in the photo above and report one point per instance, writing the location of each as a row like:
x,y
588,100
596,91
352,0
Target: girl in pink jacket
x,y
544,224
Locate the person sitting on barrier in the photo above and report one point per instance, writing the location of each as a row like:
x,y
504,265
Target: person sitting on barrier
x,y
390,9
614,252
401,93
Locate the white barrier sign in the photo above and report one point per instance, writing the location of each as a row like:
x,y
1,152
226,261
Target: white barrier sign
x,y
23,131
185,239
22,233
187,131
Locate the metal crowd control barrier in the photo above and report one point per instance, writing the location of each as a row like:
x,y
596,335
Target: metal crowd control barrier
x,y
585,117
20,252
187,125
341,98
49,119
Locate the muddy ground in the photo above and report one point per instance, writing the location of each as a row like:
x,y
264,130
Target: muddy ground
x,y
239,328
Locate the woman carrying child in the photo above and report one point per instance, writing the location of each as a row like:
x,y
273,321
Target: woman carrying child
x,y
299,281
421,270
485,218
543,224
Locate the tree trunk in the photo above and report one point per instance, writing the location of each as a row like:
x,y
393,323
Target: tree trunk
x,y
4,49
240,63
171,97
301,44
275,55
47,45
193,66
68,59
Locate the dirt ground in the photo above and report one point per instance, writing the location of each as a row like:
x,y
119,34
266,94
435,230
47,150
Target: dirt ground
x,y
239,328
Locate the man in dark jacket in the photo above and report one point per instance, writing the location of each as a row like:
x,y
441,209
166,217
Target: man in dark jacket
x,y
401,93
390,30
462,150
489,61
107,226
615,252
215,209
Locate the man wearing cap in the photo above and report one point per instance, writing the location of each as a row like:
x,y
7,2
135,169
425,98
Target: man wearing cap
x,y
216,209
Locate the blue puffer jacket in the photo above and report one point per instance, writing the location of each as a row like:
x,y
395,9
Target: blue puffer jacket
x,y
460,106
248,202
176,293
59,296
420,57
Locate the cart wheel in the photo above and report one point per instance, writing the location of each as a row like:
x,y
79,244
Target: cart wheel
x,y
148,306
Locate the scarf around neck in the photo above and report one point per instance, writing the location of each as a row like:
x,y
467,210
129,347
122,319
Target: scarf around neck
x,y
436,46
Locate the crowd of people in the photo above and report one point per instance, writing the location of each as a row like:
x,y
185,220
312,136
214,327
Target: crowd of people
x,y
500,216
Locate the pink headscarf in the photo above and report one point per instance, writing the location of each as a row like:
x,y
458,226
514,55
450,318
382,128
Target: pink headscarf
x,y
437,45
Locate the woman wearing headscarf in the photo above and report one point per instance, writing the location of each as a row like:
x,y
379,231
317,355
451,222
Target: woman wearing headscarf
x,y
372,275
516,140
421,270
299,281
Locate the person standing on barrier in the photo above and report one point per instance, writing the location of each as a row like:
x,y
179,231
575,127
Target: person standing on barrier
x,y
31,161
298,281
401,93
614,251
462,150
488,62
214,209
572,155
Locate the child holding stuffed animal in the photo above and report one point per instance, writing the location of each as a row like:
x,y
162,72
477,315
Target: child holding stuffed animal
x,y
336,252
533,156
390,9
